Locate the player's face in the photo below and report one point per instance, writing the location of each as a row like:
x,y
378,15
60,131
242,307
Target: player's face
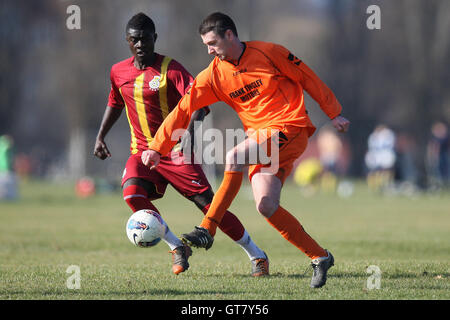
x,y
217,46
142,43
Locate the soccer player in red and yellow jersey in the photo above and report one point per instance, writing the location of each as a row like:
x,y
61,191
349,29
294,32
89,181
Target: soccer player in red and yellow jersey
x,y
264,83
148,86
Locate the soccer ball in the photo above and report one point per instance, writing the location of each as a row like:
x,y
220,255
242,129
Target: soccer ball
x,y
145,228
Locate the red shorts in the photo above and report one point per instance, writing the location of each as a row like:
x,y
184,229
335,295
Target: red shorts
x,y
187,179
289,144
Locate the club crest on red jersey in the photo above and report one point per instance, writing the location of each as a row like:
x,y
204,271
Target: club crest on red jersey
x,y
154,83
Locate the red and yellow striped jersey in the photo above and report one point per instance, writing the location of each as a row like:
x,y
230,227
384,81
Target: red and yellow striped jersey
x,y
265,88
148,95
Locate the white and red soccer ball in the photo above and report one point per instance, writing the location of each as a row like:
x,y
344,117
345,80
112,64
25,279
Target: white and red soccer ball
x,y
145,228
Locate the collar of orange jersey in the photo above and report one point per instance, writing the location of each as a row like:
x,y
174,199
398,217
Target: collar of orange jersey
x,y
239,59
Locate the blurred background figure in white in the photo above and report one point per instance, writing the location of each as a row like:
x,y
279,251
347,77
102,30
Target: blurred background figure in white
x,y
380,158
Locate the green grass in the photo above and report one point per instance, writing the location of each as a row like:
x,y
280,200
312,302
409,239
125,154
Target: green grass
x,y
50,229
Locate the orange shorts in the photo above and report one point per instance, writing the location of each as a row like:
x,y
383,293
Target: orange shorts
x,y
283,147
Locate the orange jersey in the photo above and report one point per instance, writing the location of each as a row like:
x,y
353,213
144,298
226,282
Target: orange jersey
x,y
265,88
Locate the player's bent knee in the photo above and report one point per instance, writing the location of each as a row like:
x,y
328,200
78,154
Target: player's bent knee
x,y
203,199
230,156
267,206
136,197
233,161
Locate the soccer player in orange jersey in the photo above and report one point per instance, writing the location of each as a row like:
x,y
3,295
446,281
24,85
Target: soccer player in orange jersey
x,y
264,83
148,86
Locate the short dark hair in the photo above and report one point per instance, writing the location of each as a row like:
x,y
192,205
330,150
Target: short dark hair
x,y
219,23
140,21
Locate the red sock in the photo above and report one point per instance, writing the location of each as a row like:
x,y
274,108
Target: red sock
x,y
137,198
230,224
291,229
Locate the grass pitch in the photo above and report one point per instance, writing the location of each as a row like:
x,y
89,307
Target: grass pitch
x,y
49,229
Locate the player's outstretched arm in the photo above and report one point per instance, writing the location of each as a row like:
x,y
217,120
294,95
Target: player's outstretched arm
x,y
109,118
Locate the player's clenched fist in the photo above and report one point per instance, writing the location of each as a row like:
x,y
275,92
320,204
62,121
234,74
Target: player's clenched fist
x,y
340,123
150,158
101,150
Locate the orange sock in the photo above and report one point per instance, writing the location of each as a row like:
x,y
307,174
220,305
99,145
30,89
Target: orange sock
x,y
291,229
222,200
